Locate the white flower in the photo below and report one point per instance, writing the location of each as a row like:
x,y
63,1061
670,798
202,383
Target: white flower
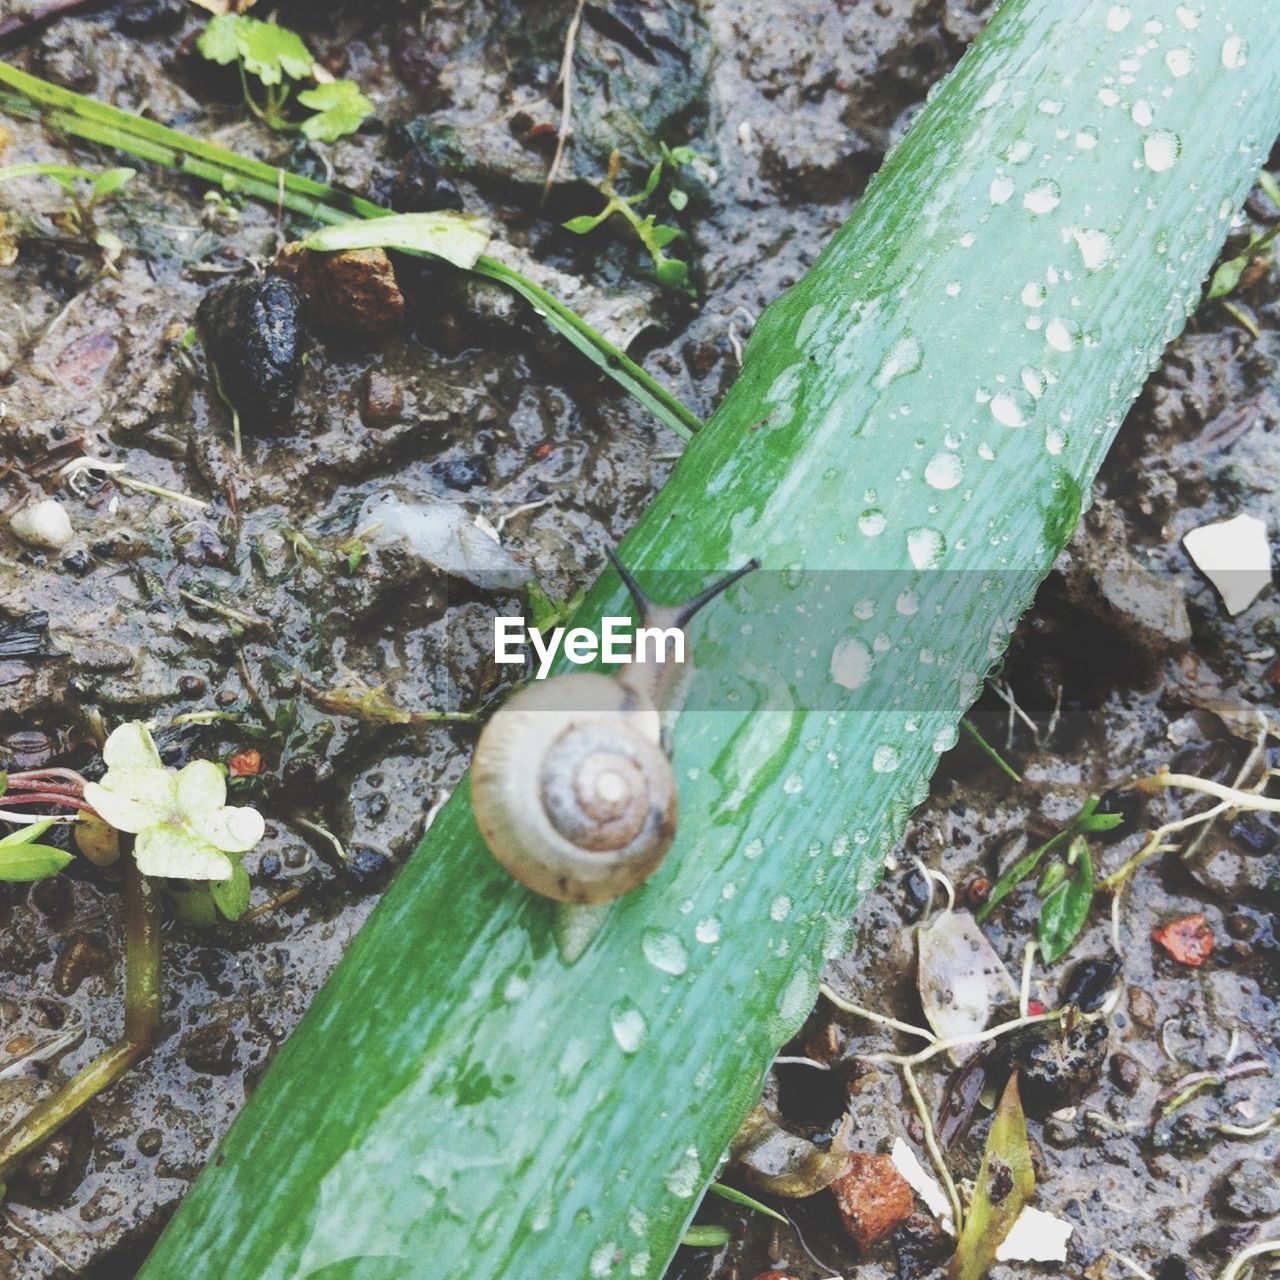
x,y
183,824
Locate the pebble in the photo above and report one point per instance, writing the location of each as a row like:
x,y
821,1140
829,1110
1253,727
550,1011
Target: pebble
x,y
1056,1069
381,399
253,336
44,525
1125,1073
873,1198
83,954
1249,1191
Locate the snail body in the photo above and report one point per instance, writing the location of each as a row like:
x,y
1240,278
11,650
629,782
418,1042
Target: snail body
x,y
571,785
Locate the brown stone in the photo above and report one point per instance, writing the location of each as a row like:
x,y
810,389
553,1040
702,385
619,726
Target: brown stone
x,y
353,292
873,1198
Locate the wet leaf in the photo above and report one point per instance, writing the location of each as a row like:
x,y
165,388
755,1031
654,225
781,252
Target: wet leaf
x,y
1067,908
459,238
1005,1184
25,862
734,1196
961,978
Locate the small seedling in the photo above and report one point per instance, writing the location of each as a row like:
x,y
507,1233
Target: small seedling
x,y
654,235
279,61
77,219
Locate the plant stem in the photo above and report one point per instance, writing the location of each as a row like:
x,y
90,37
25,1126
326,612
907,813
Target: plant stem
x,y
1000,762
81,117
141,1016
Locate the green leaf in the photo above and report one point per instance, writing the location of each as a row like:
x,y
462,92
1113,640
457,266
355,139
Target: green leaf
x,y
1006,1181
107,183
1066,909
651,185
25,835
662,235
340,109
587,222
26,862
1227,277
232,896
677,199
220,40
678,156
459,238
267,51
671,271
708,1237
734,1196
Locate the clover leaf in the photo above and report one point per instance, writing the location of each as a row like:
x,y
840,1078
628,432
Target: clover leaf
x,y
183,825
340,109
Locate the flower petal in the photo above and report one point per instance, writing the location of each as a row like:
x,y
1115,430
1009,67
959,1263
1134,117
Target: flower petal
x,y
178,852
131,799
202,788
130,747
234,829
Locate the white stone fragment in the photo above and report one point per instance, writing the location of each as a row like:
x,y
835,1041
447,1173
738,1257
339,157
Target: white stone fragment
x,y
1035,1236
922,1182
1235,555
43,524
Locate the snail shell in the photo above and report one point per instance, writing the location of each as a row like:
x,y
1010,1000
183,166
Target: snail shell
x,y
571,789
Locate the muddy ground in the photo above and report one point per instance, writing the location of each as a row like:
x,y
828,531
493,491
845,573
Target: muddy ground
x,y
794,105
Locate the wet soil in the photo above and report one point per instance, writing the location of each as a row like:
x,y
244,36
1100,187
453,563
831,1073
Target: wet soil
x,y
794,105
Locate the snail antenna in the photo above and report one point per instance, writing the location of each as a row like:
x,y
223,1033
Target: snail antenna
x,y
686,611
644,606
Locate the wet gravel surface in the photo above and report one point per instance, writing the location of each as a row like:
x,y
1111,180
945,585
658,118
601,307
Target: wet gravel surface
x,y
472,400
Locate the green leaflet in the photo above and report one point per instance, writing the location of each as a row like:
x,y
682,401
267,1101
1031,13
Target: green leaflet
x,y
1006,1181
1067,907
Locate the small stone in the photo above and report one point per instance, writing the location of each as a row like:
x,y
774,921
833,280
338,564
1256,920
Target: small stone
x,y
191,686
352,292
1090,982
83,954
149,1142
44,525
210,1048
1235,555
1189,940
1125,1073
1057,1069
1249,1191
920,1244
381,399
253,338
873,1198
1142,1008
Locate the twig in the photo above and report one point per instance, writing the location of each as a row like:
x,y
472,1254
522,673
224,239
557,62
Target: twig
x,y
1124,1261
931,1145
997,759
246,620
565,80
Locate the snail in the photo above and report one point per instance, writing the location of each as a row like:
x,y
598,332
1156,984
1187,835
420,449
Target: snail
x,y
571,783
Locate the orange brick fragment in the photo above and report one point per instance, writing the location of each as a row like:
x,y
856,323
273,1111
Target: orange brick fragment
x,y
873,1198
1189,940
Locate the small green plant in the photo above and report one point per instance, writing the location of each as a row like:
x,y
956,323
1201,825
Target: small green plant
x,y
77,219
187,847
279,61
654,235
1066,887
